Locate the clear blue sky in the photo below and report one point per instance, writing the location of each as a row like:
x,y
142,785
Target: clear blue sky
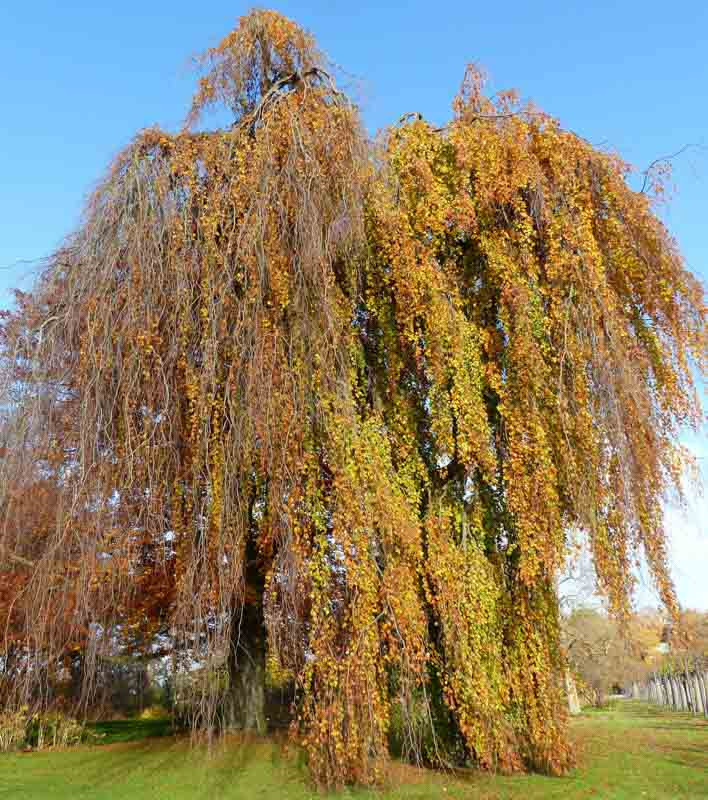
x,y
78,79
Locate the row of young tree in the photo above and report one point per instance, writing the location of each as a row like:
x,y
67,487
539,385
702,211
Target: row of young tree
x,y
291,401
681,690
638,656
680,679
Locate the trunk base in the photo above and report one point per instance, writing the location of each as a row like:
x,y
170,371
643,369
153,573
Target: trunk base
x,y
245,704
246,699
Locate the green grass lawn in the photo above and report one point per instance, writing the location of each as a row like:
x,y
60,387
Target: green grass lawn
x,y
629,751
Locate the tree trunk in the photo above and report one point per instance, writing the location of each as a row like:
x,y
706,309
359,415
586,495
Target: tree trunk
x,y
690,689
76,685
674,692
682,692
700,700
599,697
572,694
703,685
245,703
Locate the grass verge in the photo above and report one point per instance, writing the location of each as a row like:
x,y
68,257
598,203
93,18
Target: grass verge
x,y
629,751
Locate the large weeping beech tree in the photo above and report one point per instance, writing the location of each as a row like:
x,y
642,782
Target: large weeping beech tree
x,y
290,397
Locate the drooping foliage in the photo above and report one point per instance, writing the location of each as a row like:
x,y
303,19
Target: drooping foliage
x,y
349,398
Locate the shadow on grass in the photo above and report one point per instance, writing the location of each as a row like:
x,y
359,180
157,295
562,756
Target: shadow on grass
x,y
130,730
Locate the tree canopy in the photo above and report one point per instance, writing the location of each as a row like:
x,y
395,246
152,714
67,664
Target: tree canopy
x,y
289,395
